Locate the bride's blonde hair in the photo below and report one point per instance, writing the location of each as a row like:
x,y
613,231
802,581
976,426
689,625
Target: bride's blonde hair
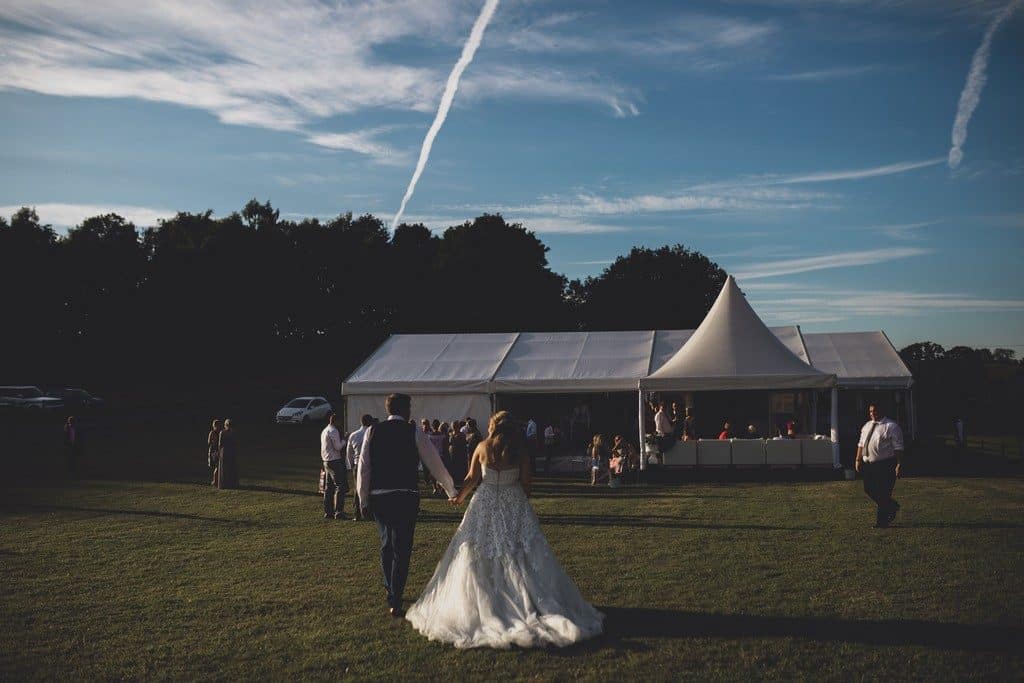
x,y
504,439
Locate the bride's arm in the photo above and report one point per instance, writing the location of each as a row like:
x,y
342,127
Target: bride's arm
x,y
472,479
525,475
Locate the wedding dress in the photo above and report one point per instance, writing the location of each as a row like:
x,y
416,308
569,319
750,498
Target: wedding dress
x,y
498,583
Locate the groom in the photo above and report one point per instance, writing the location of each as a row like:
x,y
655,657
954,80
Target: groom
x,y
387,483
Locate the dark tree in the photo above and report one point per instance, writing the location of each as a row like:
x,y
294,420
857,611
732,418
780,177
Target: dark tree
x,y
665,288
494,276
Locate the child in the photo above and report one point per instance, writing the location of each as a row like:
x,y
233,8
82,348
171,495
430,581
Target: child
x,y
596,457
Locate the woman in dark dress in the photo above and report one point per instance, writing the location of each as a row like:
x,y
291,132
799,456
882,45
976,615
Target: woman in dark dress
x,y
213,450
227,471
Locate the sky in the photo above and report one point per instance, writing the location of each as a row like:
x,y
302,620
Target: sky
x,y
803,145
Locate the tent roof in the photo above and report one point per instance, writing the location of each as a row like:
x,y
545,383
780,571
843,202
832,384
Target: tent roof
x,y
432,363
733,349
858,359
572,362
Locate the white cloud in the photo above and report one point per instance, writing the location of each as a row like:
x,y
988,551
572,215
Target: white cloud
x,y
551,84
68,215
821,75
901,231
363,142
757,270
807,304
852,174
684,34
267,63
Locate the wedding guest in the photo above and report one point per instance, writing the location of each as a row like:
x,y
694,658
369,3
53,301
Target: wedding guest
x,y
752,432
678,421
227,467
332,452
352,449
72,445
663,427
473,437
550,444
879,460
458,453
598,457
689,433
532,444
212,450
724,434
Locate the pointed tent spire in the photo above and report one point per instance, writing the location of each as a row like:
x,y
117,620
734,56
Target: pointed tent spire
x,y
734,349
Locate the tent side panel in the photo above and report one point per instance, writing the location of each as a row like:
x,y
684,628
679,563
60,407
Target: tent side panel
x,y
444,407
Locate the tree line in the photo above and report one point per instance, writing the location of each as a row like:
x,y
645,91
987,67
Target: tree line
x,y
199,300
984,387
250,294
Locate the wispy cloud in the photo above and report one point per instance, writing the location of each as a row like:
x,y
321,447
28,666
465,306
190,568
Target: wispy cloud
x,y
68,215
809,304
279,66
976,77
686,34
764,269
820,75
901,231
551,84
363,142
852,174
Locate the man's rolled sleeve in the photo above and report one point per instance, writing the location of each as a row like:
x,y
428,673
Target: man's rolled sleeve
x,y
363,470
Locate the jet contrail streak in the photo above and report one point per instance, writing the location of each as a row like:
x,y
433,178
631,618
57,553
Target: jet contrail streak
x,y
468,51
971,94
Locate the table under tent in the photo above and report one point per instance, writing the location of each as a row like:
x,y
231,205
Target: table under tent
x,y
732,367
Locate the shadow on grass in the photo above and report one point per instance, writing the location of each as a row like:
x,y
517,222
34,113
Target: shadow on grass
x,y
638,622
655,521
961,525
19,507
277,489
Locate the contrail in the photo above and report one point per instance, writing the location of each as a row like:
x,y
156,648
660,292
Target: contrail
x,y
468,50
971,94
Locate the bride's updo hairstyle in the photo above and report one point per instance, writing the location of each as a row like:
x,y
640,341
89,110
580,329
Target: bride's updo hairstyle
x,y
504,441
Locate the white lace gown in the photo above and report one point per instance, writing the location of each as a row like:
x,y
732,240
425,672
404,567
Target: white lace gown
x,y
499,584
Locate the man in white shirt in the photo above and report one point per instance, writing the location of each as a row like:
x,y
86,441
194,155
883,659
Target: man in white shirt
x,y
387,482
663,427
332,452
879,459
352,449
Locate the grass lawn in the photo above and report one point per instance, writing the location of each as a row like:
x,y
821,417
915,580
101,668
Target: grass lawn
x,y
138,570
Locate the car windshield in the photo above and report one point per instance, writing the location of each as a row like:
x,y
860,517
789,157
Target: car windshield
x,y
298,403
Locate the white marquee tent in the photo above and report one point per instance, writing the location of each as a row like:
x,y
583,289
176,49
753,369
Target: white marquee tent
x,y
457,375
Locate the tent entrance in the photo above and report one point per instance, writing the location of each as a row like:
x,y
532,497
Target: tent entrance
x,y
578,416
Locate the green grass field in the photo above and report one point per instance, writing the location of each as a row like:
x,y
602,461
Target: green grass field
x,y
138,570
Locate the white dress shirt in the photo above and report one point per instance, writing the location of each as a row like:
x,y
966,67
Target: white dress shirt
x,y
662,424
355,444
428,456
531,430
885,440
331,447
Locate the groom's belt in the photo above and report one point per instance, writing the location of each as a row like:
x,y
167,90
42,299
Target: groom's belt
x,y
381,492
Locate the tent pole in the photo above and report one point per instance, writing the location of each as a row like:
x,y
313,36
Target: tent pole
x,y
640,428
834,428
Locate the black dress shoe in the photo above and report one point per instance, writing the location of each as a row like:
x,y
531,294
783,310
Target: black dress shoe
x,y
396,612
891,517
328,515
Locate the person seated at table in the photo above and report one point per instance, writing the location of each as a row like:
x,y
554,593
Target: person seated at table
x,y
752,432
724,434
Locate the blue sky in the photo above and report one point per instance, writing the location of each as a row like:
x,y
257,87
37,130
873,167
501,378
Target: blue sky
x,y
801,144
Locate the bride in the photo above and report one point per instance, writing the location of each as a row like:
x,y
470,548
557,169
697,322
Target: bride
x,y
498,583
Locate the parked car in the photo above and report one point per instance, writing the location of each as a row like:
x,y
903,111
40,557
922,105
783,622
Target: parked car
x,y
28,398
304,409
77,398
